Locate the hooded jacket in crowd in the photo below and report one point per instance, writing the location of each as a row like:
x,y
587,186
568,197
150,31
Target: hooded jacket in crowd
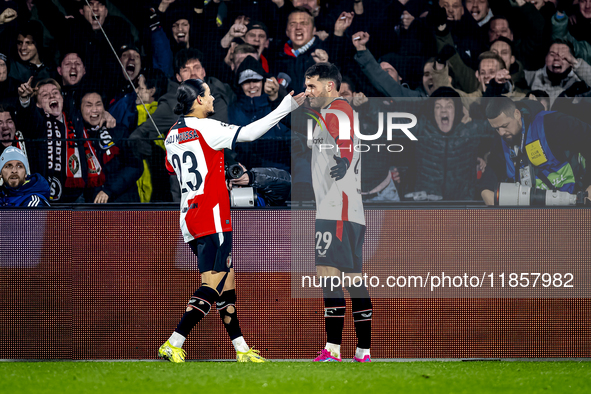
x,y
446,163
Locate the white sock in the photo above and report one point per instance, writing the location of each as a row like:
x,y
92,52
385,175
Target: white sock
x,y
176,339
334,349
360,353
240,345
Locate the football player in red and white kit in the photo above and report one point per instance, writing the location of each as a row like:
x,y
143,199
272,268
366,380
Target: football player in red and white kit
x,y
195,152
340,219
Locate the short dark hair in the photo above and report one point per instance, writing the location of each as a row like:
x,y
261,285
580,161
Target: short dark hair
x,y
570,46
245,48
349,82
8,108
506,41
155,78
83,3
34,29
90,89
184,55
499,17
186,95
67,53
500,105
299,10
326,71
491,55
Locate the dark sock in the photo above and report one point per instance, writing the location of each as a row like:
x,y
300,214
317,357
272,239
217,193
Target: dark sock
x,y
334,314
226,306
362,315
200,304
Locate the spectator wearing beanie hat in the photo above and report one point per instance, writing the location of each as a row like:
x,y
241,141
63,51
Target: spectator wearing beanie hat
x,y
130,58
20,188
257,35
253,104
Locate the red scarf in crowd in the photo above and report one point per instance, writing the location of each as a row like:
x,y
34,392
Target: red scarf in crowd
x,y
265,63
74,178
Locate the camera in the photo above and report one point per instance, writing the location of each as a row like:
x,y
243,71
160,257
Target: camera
x,y
234,171
240,197
243,197
512,194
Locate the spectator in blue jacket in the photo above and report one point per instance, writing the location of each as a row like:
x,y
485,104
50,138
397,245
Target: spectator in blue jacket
x,y
20,188
271,150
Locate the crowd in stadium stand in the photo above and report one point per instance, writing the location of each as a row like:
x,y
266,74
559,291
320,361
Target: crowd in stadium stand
x,y
87,88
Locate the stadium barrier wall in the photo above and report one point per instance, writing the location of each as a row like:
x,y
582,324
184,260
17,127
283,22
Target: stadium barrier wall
x,y
113,284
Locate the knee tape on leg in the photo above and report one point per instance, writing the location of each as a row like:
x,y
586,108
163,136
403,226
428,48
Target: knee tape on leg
x,y
227,310
202,299
334,302
227,300
360,303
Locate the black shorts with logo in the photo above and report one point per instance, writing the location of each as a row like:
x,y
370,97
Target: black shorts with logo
x,y
212,254
339,244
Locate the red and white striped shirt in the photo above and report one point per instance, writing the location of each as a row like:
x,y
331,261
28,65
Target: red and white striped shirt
x,y
195,152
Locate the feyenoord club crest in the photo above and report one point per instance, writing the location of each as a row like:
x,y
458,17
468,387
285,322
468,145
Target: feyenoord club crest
x,y
229,260
73,164
93,166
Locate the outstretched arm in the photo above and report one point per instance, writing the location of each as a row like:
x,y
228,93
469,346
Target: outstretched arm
x,y
257,129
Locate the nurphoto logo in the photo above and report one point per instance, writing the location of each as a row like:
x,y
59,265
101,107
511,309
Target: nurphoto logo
x,y
392,118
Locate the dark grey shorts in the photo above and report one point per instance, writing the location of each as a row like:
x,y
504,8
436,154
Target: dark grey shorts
x,y
339,244
211,255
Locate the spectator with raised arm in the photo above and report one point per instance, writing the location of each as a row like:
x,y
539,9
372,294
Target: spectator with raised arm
x,y
401,28
464,77
240,41
558,74
187,64
85,35
581,49
303,48
469,39
8,26
381,79
56,152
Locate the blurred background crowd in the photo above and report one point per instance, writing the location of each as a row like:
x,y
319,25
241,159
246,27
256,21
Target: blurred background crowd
x,y
87,88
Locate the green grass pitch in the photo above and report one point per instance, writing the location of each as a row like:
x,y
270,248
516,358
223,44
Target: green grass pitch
x,y
296,377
